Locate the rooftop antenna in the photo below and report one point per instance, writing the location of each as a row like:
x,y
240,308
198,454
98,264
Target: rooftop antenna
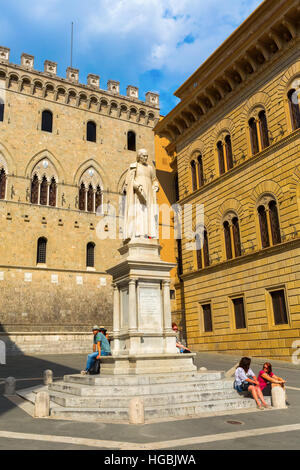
x,y
72,35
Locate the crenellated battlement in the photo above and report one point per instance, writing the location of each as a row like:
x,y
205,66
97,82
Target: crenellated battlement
x,y
69,90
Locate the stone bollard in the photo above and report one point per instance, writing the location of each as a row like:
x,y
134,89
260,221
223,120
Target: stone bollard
x,y
10,386
136,411
278,398
42,405
48,377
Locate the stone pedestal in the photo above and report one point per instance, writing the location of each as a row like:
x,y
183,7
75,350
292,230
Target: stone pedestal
x,y
142,339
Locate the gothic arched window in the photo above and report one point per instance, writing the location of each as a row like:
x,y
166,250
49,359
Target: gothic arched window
x,y
91,131
47,121
98,199
82,197
2,183
131,141
52,193
34,199
44,192
90,199
41,250
90,255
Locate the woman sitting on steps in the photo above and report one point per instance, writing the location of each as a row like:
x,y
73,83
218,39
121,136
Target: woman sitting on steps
x,y
245,381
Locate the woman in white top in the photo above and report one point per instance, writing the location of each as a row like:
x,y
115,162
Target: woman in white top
x,y
245,380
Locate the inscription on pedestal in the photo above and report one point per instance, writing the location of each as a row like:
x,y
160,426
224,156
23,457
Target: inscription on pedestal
x,y
150,311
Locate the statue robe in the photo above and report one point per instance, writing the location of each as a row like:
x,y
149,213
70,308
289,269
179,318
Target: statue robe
x,y
141,211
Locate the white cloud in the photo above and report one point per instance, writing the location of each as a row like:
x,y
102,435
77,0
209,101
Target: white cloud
x,y
133,37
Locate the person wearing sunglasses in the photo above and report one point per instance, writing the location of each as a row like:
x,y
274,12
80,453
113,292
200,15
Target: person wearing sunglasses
x,y
180,347
267,379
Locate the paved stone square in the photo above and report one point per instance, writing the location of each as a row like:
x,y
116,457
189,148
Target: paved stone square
x,y
275,429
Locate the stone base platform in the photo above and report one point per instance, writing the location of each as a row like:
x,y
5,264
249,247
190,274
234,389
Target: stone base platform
x,y
139,364
172,395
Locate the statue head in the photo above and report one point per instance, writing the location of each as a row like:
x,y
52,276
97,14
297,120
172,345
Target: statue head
x,y
142,156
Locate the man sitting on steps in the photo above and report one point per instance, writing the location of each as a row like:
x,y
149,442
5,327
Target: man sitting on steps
x,y
101,347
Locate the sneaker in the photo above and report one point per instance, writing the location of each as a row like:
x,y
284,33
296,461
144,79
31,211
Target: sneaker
x,y
84,372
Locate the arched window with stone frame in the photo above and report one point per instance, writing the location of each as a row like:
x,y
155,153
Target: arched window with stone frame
x,y
225,153
35,185
44,192
202,250
232,237
131,141
47,121
2,107
90,255
3,179
41,250
294,106
82,197
269,223
91,131
90,191
194,175
44,184
52,193
258,130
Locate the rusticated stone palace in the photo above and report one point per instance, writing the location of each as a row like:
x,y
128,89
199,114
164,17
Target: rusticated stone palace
x,y
235,146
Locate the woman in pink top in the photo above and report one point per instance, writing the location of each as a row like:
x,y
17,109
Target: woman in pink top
x,y
267,380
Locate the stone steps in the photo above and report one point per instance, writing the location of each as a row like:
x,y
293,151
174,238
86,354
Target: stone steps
x,y
144,379
157,412
164,396
166,399
133,390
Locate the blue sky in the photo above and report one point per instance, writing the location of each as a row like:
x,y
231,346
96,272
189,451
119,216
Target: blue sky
x,y
152,44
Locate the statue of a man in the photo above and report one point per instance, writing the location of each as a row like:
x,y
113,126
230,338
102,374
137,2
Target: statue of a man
x,y
141,212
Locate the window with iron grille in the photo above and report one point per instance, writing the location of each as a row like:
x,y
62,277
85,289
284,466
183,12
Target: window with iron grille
x,y
90,255
239,313
41,250
279,307
207,318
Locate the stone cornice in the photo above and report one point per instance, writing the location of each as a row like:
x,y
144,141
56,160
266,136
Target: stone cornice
x,y
247,258
237,69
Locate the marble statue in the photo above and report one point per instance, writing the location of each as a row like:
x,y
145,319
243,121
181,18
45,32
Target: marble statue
x,y
141,211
